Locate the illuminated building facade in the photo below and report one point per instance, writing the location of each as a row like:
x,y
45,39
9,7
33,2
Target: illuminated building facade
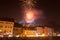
x,y
48,31
29,30
29,33
39,30
6,26
35,30
17,30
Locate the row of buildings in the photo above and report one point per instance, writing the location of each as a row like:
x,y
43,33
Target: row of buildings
x,y
8,28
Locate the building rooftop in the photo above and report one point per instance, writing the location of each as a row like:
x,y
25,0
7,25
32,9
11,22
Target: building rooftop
x,y
18,25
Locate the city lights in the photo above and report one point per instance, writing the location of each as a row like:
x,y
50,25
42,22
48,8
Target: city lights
x,y
43,35
37,35
17,35
10,35
29,20
0,30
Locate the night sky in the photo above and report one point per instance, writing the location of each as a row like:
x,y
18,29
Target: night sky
x,y
51,8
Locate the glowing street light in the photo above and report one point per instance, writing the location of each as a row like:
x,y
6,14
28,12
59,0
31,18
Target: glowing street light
x,y
42,35
0,30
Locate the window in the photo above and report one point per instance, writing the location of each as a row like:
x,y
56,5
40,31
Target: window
x,y
5,26
1,26
4,31
10,26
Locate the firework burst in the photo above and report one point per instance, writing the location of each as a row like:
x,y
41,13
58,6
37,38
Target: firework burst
x,y
28,6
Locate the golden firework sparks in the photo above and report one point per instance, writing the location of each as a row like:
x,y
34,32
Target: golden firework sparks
x,y
28,4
